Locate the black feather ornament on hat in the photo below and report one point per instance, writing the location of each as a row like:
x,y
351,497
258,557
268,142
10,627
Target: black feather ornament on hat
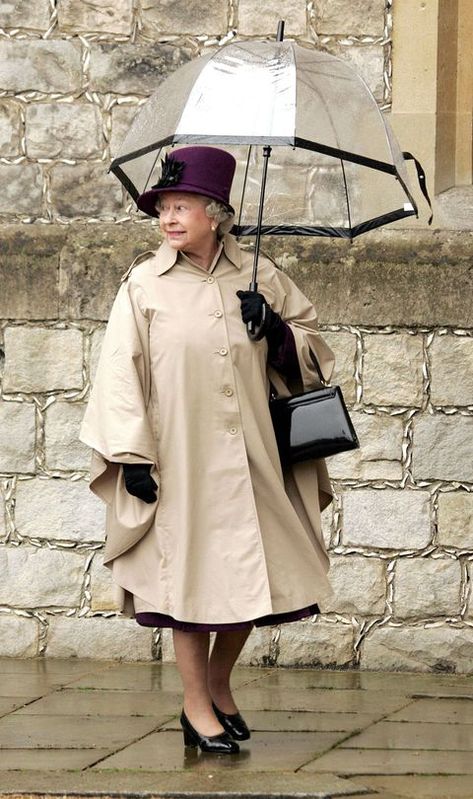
x,y
171,171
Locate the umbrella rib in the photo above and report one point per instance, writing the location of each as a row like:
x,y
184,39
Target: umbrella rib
x,y
244,185
346,192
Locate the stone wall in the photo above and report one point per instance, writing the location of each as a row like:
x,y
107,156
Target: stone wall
x,y
394,306
72,75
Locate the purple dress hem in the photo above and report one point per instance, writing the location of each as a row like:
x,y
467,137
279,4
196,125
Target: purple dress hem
x,y
163,620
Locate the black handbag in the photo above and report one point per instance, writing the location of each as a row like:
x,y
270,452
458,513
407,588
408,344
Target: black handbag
x,y
312,425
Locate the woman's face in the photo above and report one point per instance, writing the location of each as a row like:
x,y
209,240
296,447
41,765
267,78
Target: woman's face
x,y
184,222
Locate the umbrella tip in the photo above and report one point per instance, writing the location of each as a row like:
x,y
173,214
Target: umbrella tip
x,y
280,31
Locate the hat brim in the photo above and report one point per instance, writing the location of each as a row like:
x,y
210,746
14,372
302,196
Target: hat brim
x,y
146,202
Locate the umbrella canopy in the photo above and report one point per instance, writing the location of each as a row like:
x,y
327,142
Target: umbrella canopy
x,y
335,167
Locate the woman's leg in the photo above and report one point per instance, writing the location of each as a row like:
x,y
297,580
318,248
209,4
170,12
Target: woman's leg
x,y
227,646
192,654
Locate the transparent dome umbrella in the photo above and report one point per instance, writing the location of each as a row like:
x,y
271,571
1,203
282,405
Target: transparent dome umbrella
x,y
315,155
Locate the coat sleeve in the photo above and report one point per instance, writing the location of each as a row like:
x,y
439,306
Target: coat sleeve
x,y
314,356
117,424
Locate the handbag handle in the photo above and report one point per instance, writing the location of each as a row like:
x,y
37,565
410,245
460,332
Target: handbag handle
x,y
321,377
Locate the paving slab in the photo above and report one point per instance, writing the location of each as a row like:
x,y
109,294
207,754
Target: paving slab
x,y
153,677
392,761
48,760
207,782
420,786
8,704
66,732
70,702
64,666
73,727
30,685
268,751
438,710
344,701
280,720
415,735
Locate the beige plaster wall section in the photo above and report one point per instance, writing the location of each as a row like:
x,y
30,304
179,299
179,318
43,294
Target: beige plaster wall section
x,y
447,61
464,150
432,86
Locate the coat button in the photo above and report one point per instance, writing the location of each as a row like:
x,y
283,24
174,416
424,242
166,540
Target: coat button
x,y
223,351
228,392
233,431
210,279
218,314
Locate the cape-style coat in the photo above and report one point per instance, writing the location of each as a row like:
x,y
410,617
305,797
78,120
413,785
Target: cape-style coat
x,y
180,385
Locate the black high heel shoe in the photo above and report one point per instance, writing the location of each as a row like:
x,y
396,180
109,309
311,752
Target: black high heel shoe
x,y
222,744
233,723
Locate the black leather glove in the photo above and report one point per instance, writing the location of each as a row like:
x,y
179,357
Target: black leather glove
x,y
138,481
252,303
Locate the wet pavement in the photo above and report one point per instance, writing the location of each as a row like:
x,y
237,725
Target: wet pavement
x,y
78,727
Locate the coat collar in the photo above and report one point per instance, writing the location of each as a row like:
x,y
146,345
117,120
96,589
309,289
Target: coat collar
x,y
167,256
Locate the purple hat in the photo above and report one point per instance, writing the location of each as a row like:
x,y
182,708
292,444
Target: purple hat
x,y
200,170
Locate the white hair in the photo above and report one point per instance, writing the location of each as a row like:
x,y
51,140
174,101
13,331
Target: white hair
x,y
222,215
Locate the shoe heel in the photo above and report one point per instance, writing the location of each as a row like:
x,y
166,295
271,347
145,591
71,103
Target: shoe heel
x,y
189,739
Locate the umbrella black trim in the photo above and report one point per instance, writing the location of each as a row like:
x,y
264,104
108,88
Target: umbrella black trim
x,y
125,180
329,232
277,141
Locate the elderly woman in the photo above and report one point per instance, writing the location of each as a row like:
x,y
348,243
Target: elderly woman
x,y
205,533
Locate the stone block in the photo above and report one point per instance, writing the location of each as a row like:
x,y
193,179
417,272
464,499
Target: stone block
x,y
3,526
426,587
349,17
10,129
251,22
344,348
359,586
415,648
63,130
17,437
22,192
18,636
42,359
104,16
204,17
17,274
24,14
442,448
133,68
386,519
95,349
392,370
327,525
257,649
384,277
103,590
85,190
91,265
451,369
63,448
320,644
380,452
99,639
53,508
40,65
122,117
455,520
33,577
366,60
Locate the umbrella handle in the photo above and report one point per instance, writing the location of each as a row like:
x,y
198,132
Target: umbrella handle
x,y
256,332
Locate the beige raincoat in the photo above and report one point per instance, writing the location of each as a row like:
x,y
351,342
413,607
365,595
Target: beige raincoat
x,y
180,385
